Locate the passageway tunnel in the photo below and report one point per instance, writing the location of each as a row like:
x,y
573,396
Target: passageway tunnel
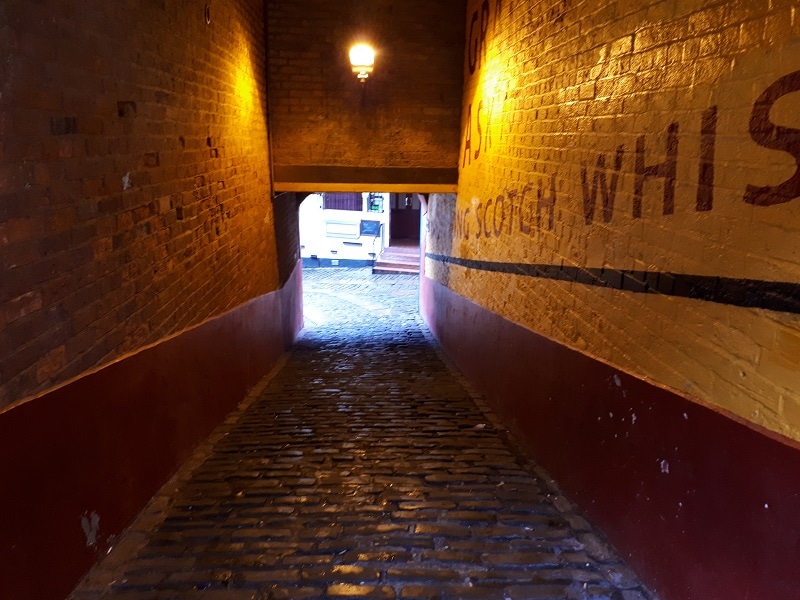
x,y
363,466
609,250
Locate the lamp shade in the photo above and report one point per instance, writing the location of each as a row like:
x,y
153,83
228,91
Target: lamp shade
x,y
362,59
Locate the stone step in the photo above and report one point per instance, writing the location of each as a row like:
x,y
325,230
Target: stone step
x,y
400,265
394,270
402,249
389,253
398,259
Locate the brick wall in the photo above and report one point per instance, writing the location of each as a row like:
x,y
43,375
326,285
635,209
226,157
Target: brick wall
x,y
287,232
329,128
134,184
629,188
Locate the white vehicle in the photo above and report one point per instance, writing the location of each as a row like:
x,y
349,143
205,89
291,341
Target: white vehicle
x,y
343,229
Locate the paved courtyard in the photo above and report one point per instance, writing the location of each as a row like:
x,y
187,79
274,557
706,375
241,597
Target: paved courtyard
x,y
363,468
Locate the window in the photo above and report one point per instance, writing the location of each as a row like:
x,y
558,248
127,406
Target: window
x,y
342,201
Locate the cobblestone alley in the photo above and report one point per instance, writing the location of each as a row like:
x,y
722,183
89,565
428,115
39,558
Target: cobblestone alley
x,y
363,468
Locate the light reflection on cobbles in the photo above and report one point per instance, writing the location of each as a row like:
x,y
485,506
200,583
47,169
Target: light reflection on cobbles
x,y
366,468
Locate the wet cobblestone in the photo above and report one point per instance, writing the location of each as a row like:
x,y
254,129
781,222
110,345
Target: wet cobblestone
x,y
363,467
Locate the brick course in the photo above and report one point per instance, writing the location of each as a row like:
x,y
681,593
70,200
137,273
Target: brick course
x,y
134,179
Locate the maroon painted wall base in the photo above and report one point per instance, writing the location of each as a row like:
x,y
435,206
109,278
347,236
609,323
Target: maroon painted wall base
x,y
105,443
702,506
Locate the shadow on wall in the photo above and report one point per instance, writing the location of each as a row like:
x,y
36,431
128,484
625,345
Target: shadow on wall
x,y
440,219
285,208
81,461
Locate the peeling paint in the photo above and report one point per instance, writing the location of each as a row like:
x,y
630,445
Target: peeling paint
x,y
126,181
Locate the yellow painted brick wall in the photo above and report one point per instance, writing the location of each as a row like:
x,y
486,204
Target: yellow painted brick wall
x,y
623,147
135,195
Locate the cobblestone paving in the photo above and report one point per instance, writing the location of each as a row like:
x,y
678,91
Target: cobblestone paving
x,y
363,468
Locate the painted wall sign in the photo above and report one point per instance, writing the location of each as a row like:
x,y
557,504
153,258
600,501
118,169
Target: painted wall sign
x,y
525,210
650,160
600,177
775,137
629,188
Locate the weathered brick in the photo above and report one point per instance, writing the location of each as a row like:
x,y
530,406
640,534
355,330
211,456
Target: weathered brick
x,y
451,530
537,592
317,102
16,230
76,147
426,592
23,305
598,147
422,574
523,558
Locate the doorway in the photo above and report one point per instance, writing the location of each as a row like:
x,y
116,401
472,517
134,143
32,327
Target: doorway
x,y
404,219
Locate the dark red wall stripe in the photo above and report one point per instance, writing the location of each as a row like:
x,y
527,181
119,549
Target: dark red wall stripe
x,y
702,506
782,296
105,443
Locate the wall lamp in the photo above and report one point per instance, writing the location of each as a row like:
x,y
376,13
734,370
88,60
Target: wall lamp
x,y
362,59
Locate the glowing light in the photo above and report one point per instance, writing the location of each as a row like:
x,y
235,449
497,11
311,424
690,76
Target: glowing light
x,y
245,87
362,60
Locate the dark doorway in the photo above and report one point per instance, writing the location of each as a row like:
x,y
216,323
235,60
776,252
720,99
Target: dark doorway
x,y
404,217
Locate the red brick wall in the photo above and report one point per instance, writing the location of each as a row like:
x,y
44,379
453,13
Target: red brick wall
x,y
134,183
329,127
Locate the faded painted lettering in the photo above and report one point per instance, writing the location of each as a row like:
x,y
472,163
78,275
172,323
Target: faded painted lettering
x,y
705,177
600,182
600,178
665,170
775,137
